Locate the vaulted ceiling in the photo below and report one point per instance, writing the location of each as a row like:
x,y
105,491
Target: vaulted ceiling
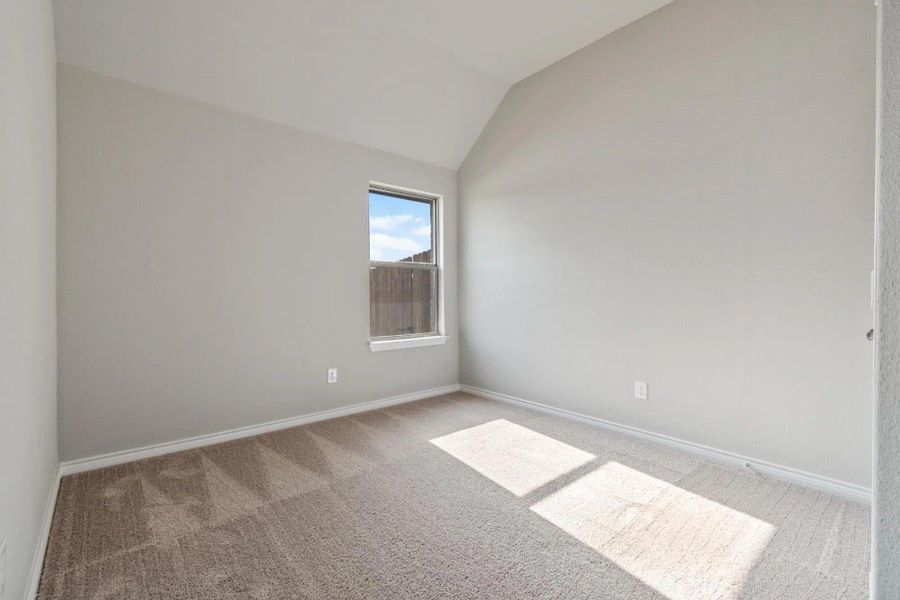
x,y
419,78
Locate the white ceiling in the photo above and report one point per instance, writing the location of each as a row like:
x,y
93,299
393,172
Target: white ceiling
x,y
418,78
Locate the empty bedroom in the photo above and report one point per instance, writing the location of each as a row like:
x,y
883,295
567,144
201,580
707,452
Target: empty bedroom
x,y
423,300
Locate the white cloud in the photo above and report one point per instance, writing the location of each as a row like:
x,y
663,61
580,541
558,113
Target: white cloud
x,y
390,242
389,222
423,231
389,247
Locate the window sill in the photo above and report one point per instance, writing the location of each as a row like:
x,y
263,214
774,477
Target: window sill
x,y
402,343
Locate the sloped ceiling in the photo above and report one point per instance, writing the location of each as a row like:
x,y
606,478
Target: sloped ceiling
x,y
419,78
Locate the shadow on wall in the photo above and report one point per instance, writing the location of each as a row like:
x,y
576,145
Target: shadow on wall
x,y
681,544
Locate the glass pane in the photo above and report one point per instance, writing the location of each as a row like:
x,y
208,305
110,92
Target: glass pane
x,y
402,301
400,229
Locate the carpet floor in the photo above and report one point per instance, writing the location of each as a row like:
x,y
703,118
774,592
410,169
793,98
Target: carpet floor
x,y
448,498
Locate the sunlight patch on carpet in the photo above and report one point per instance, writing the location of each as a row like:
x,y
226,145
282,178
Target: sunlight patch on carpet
x,y
682,545
514,457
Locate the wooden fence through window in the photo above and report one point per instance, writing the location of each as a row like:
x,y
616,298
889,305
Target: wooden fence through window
x,y
403,299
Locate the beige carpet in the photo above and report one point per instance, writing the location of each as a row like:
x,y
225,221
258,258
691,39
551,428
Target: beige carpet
x,y
451,497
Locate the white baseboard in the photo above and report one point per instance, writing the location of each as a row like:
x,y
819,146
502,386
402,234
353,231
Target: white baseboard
x,y
37,563
810,480
125,456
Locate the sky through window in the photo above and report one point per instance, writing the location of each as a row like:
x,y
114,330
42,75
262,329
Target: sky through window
x,y
398,228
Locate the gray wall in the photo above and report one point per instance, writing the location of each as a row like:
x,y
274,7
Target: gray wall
x,y
27,279
213,266
886,560
687,202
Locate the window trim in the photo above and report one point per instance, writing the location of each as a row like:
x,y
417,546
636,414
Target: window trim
x,y
419,266
429,338
416,341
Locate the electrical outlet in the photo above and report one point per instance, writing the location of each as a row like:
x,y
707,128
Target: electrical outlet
x,y
2,569
332,375
640,390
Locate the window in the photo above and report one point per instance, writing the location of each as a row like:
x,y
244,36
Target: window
x,y
404,273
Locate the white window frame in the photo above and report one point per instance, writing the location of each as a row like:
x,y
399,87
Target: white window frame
x,y
414,340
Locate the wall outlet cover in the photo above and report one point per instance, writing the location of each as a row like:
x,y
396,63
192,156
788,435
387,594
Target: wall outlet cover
x,y
640,390
332,375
